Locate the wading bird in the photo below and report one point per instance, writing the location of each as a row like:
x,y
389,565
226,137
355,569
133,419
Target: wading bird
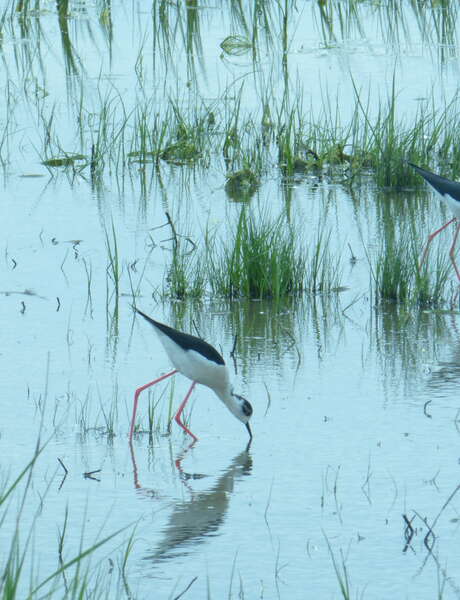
x,y
450,194
200,362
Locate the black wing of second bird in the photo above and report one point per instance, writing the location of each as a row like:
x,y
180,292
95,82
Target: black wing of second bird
x,y
442,185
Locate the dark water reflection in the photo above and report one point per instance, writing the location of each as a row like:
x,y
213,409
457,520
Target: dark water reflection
x,y
194,520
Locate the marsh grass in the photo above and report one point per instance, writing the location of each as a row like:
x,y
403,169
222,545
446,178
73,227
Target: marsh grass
x,y
263,258
185,277
113,275
386,141
340,569
184,128
110,414
74,577
396,276
189,131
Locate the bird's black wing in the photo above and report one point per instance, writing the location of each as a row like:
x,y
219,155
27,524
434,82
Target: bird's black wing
x,y
186,341
442,185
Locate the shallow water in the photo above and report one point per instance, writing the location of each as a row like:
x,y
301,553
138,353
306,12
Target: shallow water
x,y
355,408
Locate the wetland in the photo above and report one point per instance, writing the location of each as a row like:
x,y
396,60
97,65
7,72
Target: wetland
x,y
238,171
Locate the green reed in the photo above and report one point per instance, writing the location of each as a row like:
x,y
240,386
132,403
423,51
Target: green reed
x,y
112,283
262,259
21,575
396,276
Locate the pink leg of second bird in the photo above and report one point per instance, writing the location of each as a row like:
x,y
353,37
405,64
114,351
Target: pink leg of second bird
x,y
452,251
431,238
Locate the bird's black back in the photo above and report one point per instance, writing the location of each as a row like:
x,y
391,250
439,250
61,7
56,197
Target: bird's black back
x,y
442,185
186,341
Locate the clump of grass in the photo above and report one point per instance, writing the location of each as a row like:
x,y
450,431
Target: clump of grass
x,y
242,185
185,278
396,274
295,154
263,259
386,142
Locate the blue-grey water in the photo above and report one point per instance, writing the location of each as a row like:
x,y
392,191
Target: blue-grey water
x,y
356,412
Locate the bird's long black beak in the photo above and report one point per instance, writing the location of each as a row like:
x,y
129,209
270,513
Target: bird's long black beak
x,y
249,430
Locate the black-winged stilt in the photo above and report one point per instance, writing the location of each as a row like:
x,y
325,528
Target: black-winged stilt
x,y
200,362
450,194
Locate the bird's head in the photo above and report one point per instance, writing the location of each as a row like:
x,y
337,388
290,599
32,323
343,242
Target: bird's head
x,y
242,410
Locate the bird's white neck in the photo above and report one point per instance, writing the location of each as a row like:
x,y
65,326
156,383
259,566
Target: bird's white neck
x,y
231,401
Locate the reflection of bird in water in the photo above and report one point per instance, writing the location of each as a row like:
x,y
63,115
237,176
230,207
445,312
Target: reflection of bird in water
x,y
200,362
450,194
192,521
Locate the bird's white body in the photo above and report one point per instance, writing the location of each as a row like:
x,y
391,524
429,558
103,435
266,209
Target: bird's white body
x,y
196,367
451,203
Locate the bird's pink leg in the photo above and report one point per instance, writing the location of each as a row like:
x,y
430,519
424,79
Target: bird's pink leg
x,y
136,397
431,238
452,251
181,408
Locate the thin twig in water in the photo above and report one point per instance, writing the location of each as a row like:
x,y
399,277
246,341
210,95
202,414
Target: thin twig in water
x,y
445,505
409,531
430,532
268,506
269,400
90,475
63,466
187,588
366,485
424,409
353,258
93,161
428,546
176,236
173,229
293,345
351,303
195,327
232,353
65,473
62,266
